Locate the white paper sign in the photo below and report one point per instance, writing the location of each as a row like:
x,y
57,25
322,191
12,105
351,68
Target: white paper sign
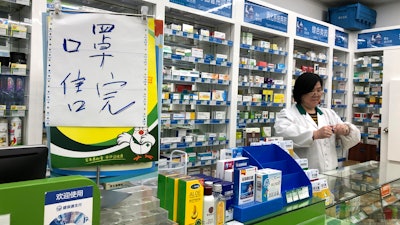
x,y
96,70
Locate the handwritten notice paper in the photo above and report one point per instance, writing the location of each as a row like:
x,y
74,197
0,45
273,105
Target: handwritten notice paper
x,y
96,70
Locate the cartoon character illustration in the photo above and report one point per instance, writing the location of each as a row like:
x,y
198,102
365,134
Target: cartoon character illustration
x,y
140,142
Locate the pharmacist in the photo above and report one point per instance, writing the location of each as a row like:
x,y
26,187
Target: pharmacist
x,y
314,129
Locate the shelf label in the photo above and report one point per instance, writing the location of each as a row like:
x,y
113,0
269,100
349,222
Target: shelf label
x,y
222,8
379,39
311,30
341,39
265,17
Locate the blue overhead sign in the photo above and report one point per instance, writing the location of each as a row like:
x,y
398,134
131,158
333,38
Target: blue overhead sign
x,y
341,39
379,39
265,17
221,7
311,30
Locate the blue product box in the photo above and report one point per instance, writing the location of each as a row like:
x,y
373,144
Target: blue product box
x,y
352,17
243,184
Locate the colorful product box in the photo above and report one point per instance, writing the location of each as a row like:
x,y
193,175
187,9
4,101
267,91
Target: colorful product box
x,y
244,184
227,164
268,184
190,201
171,190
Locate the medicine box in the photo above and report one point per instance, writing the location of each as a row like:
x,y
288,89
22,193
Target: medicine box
x,y
244,185
268,184
203,115
227,164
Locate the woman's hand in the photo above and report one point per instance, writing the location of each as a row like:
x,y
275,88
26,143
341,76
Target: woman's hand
x,y
341,129
323,132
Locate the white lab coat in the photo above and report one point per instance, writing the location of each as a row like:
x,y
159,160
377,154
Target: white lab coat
x,y
297,125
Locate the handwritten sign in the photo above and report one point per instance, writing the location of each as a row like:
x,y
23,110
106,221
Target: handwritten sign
x,y
97,71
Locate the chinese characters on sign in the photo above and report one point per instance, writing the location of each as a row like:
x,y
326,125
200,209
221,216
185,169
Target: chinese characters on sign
x,y
265,17
310,30
93,74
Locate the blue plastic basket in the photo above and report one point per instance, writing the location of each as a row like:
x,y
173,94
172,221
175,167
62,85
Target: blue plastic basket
x,y
352,17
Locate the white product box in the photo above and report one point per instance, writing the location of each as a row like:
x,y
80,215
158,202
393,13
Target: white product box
x,y
204,32
247,98
167,140
373,130
268,184
211,136
178,116
224,57
197,52
359,88
256,98
219,115
266,131
203,115
271,115
303,163
190,115
218,95
322,71
229,153
187,28
240,98
223,76
204,156
206,75
312,174
218,34
244,185
227,164
200,137
173,26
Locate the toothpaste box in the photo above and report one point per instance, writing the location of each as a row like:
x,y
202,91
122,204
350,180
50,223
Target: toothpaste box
x,y
244,184
268,184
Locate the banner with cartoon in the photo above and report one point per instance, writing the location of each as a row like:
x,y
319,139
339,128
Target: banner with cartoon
x,y
101,90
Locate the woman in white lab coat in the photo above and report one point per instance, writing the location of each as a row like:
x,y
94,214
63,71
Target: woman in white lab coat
x,y
314,129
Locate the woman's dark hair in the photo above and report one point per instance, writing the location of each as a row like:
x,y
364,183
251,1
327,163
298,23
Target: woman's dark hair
x,y
305,84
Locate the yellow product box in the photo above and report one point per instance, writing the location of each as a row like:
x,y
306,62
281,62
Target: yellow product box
x,y
187,28
204,95
268,95
18,31
190,201
190,115
18,69
171,198
279,98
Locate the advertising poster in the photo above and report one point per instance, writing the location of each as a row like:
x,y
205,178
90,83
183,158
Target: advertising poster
x,y
70,206
379,39
101,92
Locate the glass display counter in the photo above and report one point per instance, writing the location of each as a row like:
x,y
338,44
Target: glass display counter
x,y
361,197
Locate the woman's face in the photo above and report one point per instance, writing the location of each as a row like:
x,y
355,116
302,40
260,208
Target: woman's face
x,y
312,99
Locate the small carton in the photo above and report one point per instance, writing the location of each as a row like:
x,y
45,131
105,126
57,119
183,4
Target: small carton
x,y
190,201
243,184
227,164
171,188
268,184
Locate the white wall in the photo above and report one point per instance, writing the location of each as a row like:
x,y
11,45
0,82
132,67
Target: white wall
x,y
308,8
388,14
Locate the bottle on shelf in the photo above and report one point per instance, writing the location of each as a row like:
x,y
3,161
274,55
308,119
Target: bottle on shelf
x,y
208,206
220,202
